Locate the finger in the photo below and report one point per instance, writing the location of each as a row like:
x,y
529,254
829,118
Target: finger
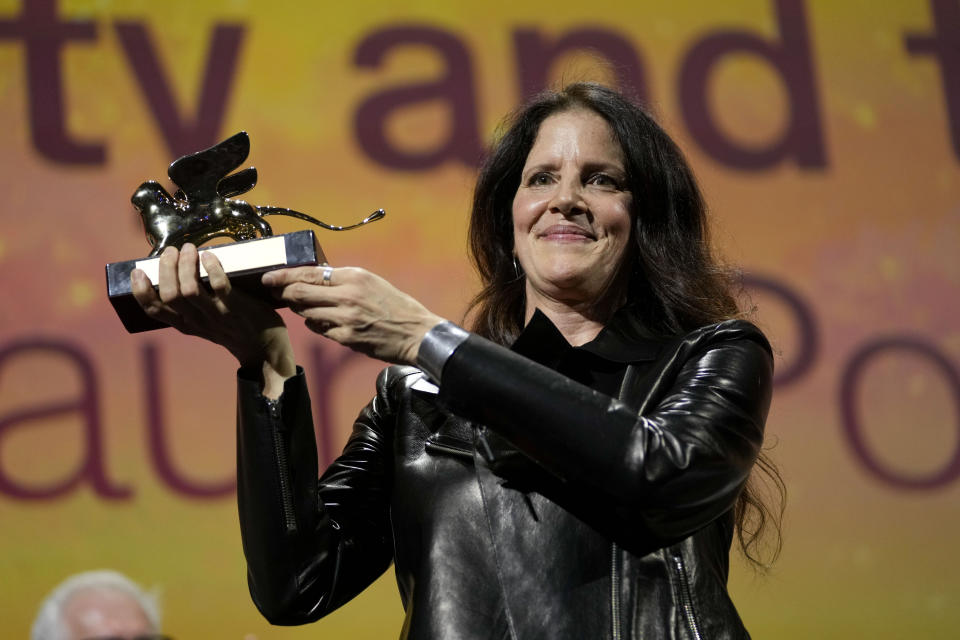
x,y
324,326
301,296
326,319
310,275
329,313
317,326
142,288
219,282
148,299
169,285
178,269
322,285
188,272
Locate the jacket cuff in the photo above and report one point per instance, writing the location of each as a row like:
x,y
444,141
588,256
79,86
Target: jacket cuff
x,y
437,346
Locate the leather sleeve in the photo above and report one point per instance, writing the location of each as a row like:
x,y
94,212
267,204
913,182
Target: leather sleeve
x,y
311,545
671,462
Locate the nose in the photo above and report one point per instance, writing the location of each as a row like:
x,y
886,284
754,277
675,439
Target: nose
x,y
568,198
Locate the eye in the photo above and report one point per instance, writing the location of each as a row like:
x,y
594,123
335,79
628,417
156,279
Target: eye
x,y
605,181
539,179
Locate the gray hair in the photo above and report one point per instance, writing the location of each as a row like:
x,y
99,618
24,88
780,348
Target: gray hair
x,y
50,625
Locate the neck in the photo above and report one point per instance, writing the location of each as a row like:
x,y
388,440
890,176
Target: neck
x,y
578,322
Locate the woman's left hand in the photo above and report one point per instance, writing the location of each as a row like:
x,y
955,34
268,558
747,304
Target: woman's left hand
x,y
356,308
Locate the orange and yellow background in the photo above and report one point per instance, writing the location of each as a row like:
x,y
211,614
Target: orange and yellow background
x,y
117,450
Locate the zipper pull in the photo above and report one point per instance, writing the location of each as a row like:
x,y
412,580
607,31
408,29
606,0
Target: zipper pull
x,y
273,407
487,451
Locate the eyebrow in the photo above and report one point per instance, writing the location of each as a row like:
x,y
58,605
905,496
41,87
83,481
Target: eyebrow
x,y
539,167
587,167
605,166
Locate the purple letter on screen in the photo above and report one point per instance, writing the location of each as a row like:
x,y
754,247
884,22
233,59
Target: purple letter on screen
x,y
802,139
454,87
44,37
86,407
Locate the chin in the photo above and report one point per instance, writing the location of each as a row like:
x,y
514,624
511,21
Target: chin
x,y
570,284
566,278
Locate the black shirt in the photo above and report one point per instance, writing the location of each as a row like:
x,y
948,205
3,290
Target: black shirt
x,y
598,364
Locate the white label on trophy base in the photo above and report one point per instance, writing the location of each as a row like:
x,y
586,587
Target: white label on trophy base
x,y
269,252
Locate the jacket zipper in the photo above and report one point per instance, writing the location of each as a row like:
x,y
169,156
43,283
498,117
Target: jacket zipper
x,y
686,600
628,378
280,454
438,447
615,591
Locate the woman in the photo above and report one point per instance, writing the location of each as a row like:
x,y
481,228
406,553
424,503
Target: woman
x,y
584,482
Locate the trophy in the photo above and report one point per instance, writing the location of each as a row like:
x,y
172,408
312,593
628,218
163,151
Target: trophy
x,y
204,208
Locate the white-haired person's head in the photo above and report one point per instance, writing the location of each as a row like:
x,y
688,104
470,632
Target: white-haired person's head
x,y
98,604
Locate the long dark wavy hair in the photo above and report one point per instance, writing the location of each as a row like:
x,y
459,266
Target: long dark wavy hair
x,y
670,276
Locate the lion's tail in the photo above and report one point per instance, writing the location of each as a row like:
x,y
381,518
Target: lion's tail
x,y
282,211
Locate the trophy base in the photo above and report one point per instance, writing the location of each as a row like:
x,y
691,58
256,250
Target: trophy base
x,y
244,263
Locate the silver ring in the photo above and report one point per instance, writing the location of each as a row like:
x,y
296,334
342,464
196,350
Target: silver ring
x,y
327,275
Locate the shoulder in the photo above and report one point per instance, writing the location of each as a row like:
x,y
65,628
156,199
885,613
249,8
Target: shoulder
x,y
626,339
728,331
734,333
735,350
729,361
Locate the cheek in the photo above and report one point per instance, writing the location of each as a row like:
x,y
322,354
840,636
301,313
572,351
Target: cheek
x,y
526,212
616,217
524,216
621,232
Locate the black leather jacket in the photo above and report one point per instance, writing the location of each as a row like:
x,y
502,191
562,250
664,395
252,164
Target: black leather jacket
x,y
516,503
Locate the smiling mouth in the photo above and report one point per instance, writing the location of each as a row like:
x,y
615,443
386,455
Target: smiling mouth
x,y
566,232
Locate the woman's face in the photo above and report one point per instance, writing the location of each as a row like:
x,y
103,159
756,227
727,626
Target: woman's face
x,y
571,213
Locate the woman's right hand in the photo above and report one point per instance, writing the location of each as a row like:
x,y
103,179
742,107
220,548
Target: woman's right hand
x,y
249,329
